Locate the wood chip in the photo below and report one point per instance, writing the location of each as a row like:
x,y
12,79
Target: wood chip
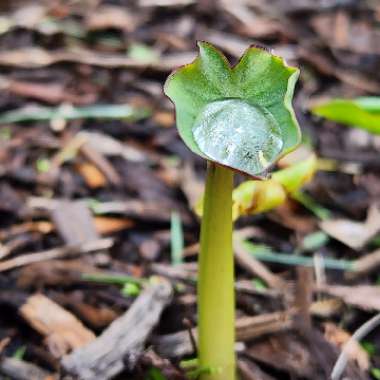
x,y
107,356
93,177
63,331
74,222
102,164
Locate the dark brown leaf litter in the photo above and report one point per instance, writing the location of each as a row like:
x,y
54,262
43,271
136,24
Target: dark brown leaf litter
x,y
94,197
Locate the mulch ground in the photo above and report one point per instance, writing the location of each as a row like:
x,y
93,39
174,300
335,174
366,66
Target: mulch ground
x,y
92,196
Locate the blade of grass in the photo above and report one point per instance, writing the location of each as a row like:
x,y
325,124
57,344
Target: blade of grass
x,y
264,253
176,239
67,112
113,279
308,202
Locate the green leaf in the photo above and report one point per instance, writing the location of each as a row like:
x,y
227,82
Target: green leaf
x,y
361,112
369,103
155,374
369,347
43,165
19,353
375,372
315,241
240,116
130,289
259,284
143,53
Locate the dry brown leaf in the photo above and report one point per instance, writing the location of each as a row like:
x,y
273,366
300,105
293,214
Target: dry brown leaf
x,y
326,308
339,31
4,343
365,297
339,337
354,234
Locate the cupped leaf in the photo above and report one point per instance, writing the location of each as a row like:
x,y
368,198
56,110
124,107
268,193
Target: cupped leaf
x,y
361,112
241,116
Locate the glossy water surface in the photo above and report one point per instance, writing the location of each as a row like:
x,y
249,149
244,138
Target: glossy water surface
x,y
239,135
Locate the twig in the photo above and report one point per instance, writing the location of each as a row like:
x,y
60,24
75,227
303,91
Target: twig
x,y
359,334
55,253
255,267
187,323
247,328
21,370
107,356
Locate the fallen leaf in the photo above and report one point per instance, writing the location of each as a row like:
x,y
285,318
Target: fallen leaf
x,y
365,297
339,337
354,234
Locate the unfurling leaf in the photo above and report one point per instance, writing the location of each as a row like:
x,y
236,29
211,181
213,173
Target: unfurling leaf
x,y
254,197
257,196
240,116
295,176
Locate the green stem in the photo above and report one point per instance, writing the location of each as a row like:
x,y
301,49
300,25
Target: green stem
x,y
216,299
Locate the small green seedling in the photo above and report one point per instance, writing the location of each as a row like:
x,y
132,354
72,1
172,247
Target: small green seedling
x,y
130,286
239,119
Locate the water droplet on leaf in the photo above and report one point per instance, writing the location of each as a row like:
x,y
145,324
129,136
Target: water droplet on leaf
x,y
239,135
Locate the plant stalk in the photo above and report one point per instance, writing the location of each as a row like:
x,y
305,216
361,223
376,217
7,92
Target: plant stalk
x,y
216,298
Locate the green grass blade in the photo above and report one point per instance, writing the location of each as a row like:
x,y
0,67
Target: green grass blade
x,y
176,239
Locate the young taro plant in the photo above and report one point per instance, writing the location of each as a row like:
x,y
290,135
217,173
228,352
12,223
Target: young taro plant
x,y
239,119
